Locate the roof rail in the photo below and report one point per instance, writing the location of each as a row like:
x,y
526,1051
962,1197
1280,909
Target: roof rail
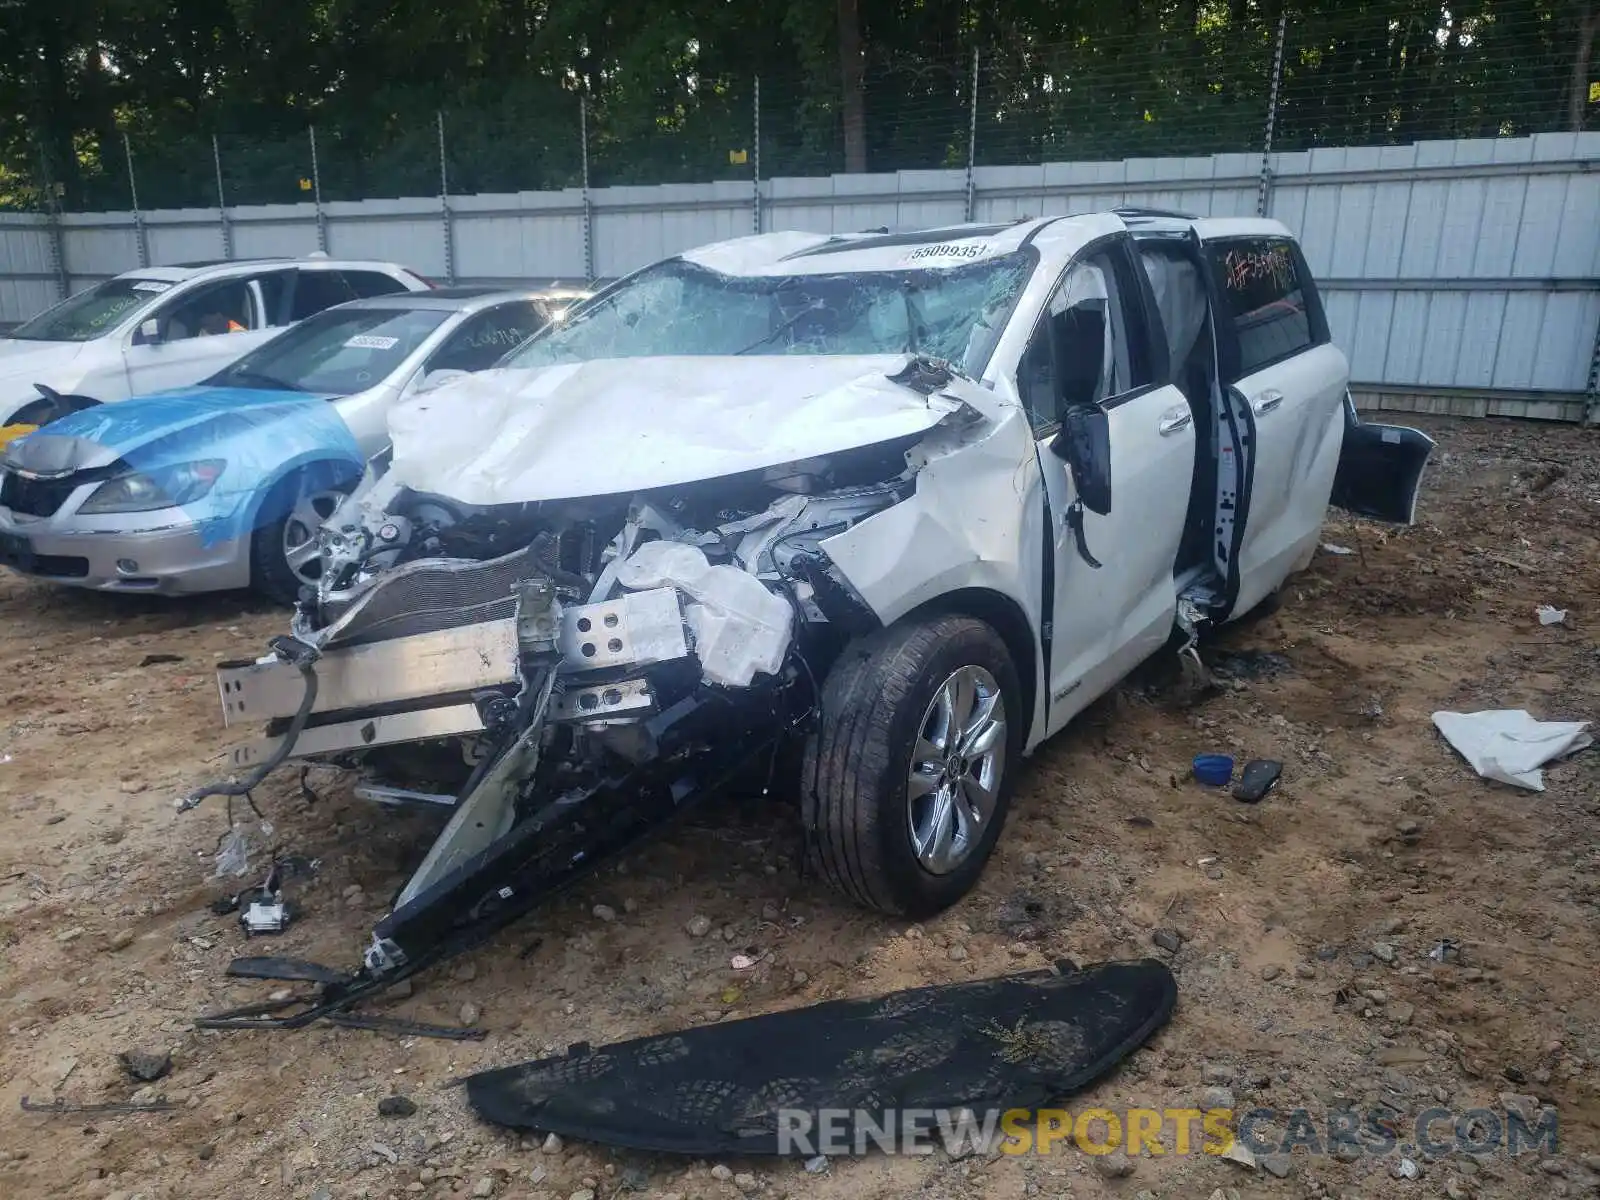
x,y
200,263
1136,211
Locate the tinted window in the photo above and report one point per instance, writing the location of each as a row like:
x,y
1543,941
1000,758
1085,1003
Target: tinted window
x,y
372,283
1265,298
335,353
91,313
317,290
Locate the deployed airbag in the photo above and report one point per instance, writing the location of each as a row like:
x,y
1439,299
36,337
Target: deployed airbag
x,y
1017,1041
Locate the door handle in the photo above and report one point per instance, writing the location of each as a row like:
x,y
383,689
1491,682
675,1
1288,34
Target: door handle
x,y
1266,401
1175,419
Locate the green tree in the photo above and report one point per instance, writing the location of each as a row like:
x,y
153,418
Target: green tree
x,y
669,86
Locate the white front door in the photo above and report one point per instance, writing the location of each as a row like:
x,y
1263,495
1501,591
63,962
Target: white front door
x,y
1275,353
197,334
1092,351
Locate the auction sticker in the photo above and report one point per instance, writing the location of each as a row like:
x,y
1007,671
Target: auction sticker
x,y
960,251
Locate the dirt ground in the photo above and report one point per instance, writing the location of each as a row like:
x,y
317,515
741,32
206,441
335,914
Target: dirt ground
x,y
1379,834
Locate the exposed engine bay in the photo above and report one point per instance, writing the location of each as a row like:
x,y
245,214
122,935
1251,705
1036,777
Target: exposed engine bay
x,y
644,604
565,676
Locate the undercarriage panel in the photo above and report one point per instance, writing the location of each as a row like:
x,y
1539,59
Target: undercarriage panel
x,y
773,1084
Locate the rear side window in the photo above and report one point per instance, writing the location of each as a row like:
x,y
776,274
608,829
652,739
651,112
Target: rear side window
x,y
1267,298
317,290
372,283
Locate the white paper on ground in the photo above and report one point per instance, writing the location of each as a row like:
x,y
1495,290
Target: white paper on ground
x,y
1508,745
1548,614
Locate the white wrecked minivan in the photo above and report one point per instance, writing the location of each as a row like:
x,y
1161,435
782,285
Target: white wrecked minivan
x,y
900,503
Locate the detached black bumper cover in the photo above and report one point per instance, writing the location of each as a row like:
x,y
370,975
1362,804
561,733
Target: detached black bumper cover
x,y
1018,1041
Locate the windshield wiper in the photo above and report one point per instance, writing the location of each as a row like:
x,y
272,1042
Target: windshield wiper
x,y
282,385
783,327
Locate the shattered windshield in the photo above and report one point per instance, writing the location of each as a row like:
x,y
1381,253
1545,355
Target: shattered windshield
x,y
681,308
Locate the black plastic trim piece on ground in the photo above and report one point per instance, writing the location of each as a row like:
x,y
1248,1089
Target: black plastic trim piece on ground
x,y
990,1045
291,970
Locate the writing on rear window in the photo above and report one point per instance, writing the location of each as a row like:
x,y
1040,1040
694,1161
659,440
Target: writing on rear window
x,y
371,341
1245,267
1264,295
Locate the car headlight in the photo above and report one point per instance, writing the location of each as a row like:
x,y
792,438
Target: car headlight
x,y
146,491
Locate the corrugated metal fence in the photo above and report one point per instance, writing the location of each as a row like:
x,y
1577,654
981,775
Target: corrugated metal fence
x,y
1460,276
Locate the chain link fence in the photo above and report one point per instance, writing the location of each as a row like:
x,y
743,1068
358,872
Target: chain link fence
x,y
1217,81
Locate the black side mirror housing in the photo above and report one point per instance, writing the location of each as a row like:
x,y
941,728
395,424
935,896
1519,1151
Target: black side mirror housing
x,y
1084,444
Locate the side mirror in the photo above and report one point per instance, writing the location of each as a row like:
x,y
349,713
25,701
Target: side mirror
x,y
148,333
434,380
1084,444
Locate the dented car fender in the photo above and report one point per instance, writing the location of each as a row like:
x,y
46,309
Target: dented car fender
x,y
975,522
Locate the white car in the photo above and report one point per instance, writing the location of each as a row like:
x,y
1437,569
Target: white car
x,y
903,504
159,328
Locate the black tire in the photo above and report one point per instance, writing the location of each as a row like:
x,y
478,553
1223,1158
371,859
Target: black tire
x,y
856,805
270,571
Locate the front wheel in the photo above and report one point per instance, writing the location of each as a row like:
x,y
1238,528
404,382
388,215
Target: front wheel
x,y
907,778
284,553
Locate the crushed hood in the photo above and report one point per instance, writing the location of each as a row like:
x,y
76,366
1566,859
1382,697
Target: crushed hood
x,y
188,423
512,436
